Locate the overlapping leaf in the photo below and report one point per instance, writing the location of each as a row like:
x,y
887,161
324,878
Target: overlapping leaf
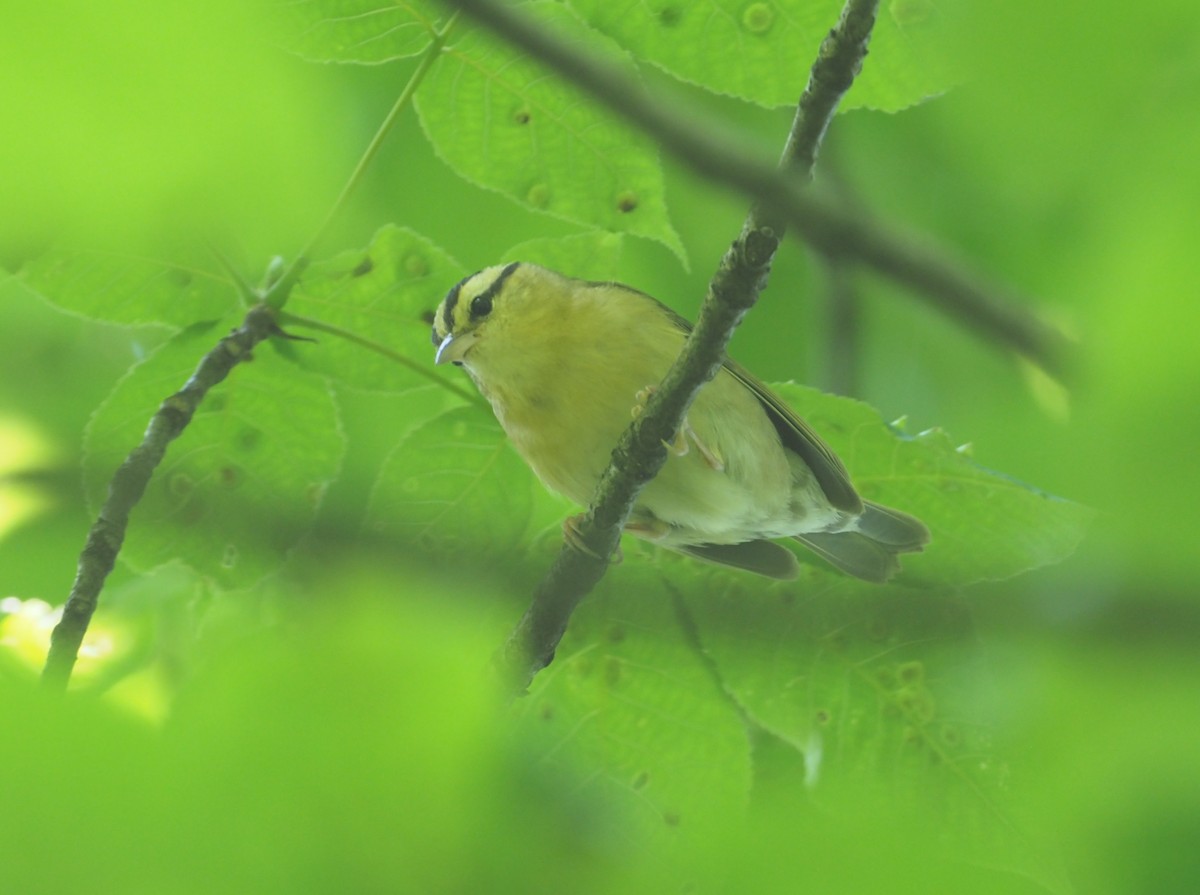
x,y
453,488
386,293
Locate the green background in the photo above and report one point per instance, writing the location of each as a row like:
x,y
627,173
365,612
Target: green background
x,y
330,727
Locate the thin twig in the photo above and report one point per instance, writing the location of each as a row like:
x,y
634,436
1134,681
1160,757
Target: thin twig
x,y
640,453
932,273
286,318
436,44
843,302
244,290
107,533
842,313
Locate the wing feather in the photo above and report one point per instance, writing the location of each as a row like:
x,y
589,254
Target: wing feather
x,y
799,437
795,433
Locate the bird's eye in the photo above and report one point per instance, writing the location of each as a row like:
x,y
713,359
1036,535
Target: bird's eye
x,y
481,305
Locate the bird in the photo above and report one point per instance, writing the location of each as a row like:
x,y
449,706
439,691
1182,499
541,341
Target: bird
x,y
566,362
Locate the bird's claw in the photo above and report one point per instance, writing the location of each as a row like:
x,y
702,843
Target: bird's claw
x,y
679,445
573,537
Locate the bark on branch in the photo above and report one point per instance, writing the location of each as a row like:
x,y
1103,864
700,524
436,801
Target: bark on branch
x,y
107,533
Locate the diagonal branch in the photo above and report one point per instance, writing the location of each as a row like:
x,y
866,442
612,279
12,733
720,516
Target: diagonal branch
x,y
107,533
950,285
734,289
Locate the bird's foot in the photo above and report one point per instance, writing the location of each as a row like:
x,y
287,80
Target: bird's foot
x,y
686,436
572,536
648,529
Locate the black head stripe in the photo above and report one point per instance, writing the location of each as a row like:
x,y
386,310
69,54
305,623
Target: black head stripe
x,y
497,284
448,307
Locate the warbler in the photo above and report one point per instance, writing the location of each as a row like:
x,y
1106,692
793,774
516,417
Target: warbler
x,y
565,362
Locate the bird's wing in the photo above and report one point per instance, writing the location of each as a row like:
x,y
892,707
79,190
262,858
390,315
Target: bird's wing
x,y
796,434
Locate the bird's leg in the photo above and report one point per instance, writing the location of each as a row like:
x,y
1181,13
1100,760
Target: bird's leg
x,y
648,527
679,444
711,457
570,530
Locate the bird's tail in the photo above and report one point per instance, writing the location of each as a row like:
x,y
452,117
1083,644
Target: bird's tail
x,y
869,550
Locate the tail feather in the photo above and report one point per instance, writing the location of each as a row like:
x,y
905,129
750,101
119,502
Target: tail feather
x,y
853,553
869,550
899,531
762,557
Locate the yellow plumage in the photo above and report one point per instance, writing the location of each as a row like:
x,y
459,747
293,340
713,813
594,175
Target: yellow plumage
x,y
562,362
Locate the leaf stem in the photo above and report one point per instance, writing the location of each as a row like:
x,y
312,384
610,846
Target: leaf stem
x,y
244,290
276,297
287,318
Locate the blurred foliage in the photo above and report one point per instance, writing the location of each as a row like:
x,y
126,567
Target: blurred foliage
x,y
286,688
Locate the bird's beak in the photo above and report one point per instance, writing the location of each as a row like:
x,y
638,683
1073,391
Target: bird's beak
x,y
454,348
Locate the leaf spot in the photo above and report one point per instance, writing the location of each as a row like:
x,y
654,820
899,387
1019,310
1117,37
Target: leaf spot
x,y
910,12
757,18
415,265
249,439
180,484
612,671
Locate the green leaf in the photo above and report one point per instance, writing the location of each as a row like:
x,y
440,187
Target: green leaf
x,y
763,51
881,692
386,293
242,484
126,290
364,31
986,526
629,697
503,121
588,256
453,488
